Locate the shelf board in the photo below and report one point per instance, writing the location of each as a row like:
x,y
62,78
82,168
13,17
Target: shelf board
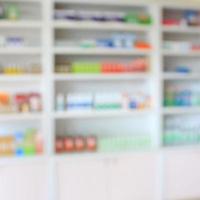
x,y
99,77
105,2
102,155
20,116
100,114
100,26
179,53
20,50
23,1
20,24
182,6
99,51
20,78
13,160
180,76
181,29
181,110
184,147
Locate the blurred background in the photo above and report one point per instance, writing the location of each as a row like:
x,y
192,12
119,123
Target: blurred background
x,y
99,100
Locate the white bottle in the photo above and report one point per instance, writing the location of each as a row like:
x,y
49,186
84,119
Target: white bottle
x,y
60,102
125,101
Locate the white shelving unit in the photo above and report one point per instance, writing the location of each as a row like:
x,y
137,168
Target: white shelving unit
x,y
102,119
31,26
145,174
169,76
29,22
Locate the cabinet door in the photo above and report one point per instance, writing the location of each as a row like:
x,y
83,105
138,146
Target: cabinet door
x,y
182,174
82,180
134,178
23,182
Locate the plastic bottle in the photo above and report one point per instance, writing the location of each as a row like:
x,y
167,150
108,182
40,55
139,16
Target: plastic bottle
x,y
60,102
39,143
19,139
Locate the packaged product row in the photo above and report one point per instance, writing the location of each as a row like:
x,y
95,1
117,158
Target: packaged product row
x,y
19,64
17,41
91,143
182,130
181,65
184,69
102,101
77,144
142,18
10,11
181,46
182,94
78,67
15,11
20,69
187,18
115,40
23,102
124,143
22,142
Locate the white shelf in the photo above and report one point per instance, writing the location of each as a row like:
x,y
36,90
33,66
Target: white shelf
x,y
181,29
100,114
12,160
20,78
20,24
23,1
194,147
101,77
21,50
181,110
104,2
180,76
193,5
20,116
101,155
179,53
102,51
100,26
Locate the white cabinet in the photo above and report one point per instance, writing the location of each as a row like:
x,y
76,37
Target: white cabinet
x,y
82,180
134,178
182,175
131,177
23,182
